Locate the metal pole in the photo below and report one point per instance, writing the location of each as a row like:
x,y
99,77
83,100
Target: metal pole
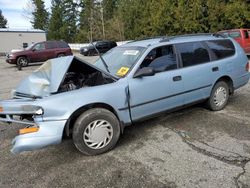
x,y
103,28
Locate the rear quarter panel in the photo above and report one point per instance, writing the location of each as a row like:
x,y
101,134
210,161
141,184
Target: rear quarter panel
x,y
235,67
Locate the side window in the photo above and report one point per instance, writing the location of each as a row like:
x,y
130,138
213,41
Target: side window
x,y
51,45
235,34
224,33
161,59
39,46
193,53
63,44
221,48
102,44
246,34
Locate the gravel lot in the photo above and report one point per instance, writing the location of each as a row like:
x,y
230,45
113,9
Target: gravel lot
x,y
193,147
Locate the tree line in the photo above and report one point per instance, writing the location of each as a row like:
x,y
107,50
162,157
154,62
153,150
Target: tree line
x,y
90,20
3,20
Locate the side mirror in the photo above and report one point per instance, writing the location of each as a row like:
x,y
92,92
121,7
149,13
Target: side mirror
x,y
145,71
33,49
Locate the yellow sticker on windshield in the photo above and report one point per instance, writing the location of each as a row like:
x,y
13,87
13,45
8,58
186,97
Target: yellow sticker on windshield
x,y
122,71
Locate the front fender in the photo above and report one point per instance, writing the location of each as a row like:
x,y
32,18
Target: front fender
x,y
62,106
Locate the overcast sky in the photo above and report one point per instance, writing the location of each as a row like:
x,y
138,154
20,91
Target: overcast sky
x,y
13,11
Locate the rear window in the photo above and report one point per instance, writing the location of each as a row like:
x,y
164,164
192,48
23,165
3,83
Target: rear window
x,y
193,53
63,44
234,34
221,48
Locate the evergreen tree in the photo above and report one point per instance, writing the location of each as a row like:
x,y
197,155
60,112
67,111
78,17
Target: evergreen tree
x,y
92,20
109,7
3,21
40,15
70,13
83,25
56,21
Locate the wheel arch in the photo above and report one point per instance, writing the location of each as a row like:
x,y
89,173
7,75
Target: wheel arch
x,y
22,56
229,81
59,53
71,121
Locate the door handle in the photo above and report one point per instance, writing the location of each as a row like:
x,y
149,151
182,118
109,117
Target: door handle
x,y
177,78
214,69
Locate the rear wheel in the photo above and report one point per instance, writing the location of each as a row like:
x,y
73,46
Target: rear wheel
x,y
219,96
60,55
22,62
96,131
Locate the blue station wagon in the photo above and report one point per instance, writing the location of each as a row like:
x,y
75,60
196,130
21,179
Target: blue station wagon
x,y
130,83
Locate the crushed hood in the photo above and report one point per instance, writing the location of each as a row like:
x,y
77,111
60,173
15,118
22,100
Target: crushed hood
x,y
46,79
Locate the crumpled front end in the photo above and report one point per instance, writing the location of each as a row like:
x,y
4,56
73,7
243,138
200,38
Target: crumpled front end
x,y
37,133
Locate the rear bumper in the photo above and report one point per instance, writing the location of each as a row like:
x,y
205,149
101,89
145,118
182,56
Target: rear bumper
x,y
49,133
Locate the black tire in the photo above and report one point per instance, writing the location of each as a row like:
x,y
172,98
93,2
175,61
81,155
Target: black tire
x,y
212,103
85,120
60,55
22,62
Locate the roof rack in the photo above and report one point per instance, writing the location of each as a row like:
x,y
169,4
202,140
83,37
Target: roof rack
x,y
148,38
166,39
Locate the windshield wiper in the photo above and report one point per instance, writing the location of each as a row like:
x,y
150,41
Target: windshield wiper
x,y
104,63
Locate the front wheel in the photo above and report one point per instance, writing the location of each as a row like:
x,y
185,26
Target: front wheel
x,y
219,96
22,62
96,131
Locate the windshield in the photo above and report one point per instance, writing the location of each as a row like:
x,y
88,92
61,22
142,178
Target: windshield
x,y
120,60
29,47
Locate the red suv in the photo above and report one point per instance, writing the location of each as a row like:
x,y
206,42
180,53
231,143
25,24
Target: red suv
x,y
242,36
39,52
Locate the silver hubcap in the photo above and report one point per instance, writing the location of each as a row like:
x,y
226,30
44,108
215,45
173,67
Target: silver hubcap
x,y
98,134
220,96
23,62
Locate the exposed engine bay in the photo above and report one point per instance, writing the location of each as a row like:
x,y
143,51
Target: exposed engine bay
x,y
81,75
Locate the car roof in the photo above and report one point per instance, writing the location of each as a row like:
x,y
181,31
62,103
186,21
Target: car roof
x,y
234,30
174,39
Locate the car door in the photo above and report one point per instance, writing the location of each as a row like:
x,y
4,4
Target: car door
x,y
38,53
51,47
150,95
197,71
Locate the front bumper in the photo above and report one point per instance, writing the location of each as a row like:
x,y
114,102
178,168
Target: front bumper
x,y
11,61
50,133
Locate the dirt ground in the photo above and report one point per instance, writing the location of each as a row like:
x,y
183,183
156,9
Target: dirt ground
x,y
190,148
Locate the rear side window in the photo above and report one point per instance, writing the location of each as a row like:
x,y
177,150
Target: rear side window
x,y
51,45
102,44
193,53
221,48
63,44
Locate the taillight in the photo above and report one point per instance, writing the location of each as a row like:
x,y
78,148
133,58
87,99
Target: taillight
x,y
247,66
